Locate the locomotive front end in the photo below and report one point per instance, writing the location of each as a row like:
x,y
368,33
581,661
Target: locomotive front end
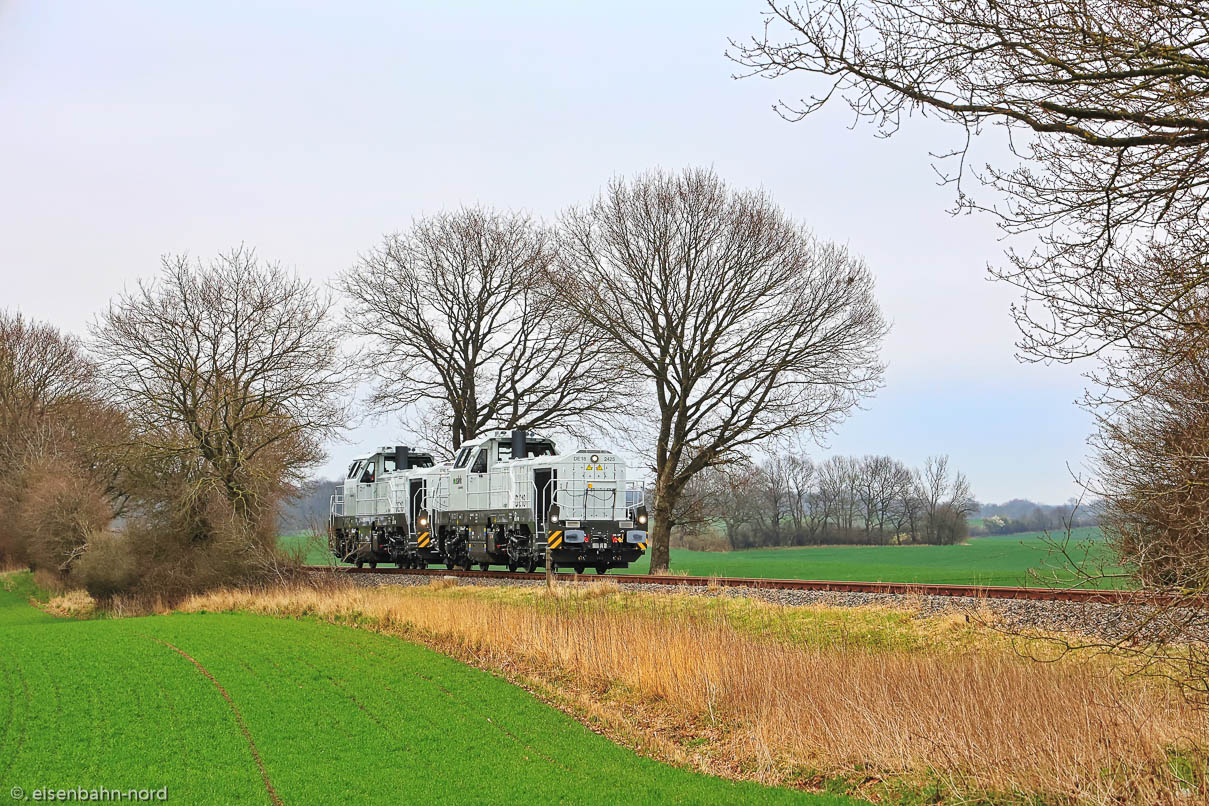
x,y
596,520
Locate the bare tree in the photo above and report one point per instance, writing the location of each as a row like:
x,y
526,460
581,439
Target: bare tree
x,y
1106,111
743,327
1154,475
883,483
799,474
458,320
945,501
230,371
832,493
735,491
41,370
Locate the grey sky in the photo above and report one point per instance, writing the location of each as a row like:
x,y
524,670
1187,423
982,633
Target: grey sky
x,y
134,129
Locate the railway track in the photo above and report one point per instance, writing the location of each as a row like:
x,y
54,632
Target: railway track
x,y
894,588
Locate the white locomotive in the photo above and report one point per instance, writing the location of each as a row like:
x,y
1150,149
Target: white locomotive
x,y
505,499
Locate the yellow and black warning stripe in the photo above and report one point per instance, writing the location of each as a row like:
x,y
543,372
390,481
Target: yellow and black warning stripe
x,y
642,546
556,539
424,540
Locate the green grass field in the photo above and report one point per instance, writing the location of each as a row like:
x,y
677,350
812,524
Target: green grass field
x,y
335,714
998,560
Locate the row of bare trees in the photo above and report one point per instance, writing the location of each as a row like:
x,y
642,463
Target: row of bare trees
x,y
791,501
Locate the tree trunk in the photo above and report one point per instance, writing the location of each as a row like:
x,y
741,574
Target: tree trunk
x,y
661,534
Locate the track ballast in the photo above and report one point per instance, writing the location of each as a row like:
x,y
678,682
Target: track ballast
x,y
894,588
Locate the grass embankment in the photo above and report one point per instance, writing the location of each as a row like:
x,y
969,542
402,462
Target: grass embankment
x,y
999,560
867,700
240,708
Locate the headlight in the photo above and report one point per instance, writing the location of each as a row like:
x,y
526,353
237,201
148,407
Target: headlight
x,y
642,518
553,519
423,521
595,458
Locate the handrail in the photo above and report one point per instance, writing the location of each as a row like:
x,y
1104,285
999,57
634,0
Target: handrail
x,y
575,497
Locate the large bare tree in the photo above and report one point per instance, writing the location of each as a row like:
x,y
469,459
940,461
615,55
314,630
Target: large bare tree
x,y
740,325
460,326
232,368
1105,108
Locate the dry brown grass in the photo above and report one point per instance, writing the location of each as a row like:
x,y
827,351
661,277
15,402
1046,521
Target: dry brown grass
x,y
72,604
700,690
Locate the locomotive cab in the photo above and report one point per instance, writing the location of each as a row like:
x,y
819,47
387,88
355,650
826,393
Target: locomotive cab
x,y
367,523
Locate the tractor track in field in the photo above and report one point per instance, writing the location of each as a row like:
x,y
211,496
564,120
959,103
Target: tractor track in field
x,y
881,588
243,726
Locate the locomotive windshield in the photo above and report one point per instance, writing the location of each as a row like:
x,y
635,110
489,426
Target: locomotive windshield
x,y
539,447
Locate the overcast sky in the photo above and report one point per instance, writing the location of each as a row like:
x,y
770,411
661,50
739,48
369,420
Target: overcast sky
x,y
130,130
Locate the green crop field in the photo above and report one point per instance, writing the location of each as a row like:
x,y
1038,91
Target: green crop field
x,y
998,560
218,708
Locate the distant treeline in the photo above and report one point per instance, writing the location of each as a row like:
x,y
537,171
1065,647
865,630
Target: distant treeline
x,y
792,501
1021,515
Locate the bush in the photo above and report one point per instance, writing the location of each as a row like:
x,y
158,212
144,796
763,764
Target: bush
x,y
108,567
61,508
48,508
180,544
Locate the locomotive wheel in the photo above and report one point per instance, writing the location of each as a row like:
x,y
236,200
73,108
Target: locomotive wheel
x,y
360,563
373,563
512,568
531,566
602,569
579,569
466,564
484,566
449,565
421,564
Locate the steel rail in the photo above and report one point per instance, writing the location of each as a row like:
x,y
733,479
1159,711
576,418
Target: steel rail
x,y
836,586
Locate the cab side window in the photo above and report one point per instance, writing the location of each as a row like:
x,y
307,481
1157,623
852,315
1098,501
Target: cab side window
x,y
388,464
462,458
368,476
480,462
